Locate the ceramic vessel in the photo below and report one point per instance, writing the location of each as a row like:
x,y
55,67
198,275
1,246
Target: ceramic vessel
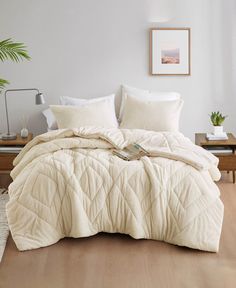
x,y
218,130
24,133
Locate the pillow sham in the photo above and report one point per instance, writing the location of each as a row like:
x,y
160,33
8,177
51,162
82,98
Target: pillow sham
x,y
144,95
78,101
151,115
94,114
51,120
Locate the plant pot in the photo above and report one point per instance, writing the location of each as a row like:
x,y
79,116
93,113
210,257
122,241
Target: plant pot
x,y
218,130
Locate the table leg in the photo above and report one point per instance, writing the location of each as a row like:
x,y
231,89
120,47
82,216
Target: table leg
x,y
233,176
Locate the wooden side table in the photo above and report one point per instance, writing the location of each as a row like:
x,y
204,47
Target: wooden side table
x,y
6,159
227,162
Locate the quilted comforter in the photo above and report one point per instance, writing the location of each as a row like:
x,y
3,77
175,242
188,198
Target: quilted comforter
x,y
67,183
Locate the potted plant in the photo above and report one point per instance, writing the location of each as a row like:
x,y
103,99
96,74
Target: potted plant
x,y
217,120
13,51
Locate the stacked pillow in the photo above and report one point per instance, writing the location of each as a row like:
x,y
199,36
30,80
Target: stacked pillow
x,y
100,112
76,112
51,120
140,109
145,95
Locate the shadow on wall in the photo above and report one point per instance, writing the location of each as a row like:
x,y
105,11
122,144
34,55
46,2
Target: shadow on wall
x,y
159,11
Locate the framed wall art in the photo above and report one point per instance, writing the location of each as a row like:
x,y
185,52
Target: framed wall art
x,y
170,51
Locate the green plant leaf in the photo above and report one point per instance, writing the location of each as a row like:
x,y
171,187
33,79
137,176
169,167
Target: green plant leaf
x,y
3,83
217,118
10,50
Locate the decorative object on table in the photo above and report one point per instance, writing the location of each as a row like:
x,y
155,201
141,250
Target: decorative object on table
x,y
39,99
4,229
217,119
213,137
13,51
24,131
170,51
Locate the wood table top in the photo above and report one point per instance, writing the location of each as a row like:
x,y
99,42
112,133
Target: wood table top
x,y
201,140
19,141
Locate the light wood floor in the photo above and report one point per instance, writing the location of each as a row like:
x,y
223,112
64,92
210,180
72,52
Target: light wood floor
x,y
118,261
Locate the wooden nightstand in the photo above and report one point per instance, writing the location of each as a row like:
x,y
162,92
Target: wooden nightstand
x,y
227,162
6,159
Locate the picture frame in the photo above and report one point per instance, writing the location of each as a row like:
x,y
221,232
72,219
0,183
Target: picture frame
x,y
170,51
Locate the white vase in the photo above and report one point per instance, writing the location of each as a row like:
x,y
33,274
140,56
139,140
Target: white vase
x,y
218,130
24,133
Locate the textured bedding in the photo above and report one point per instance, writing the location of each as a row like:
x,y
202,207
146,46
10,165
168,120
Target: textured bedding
x,y
67,183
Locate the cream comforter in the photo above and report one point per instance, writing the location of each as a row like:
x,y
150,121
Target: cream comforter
x,y
67,183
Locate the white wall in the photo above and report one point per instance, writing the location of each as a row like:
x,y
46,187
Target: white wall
x,y
87,48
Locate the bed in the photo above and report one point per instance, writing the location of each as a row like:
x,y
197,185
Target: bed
x,y
68,183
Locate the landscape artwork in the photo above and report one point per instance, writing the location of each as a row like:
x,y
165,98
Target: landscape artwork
x,y
170,51
170,54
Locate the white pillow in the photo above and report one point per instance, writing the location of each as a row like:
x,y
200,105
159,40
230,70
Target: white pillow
x,y
94,114
64,100
50,118
125,89
145,95
151,115
78,101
